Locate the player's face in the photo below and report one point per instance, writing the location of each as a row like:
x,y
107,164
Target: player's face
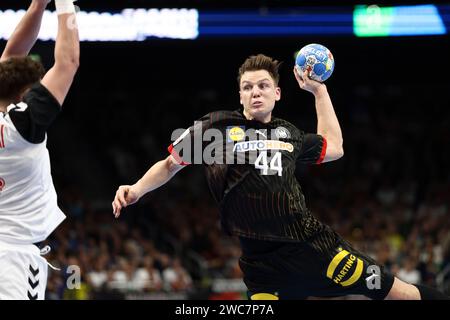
x,y
258,94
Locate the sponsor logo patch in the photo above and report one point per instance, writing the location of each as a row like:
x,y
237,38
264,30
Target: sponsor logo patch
x,y
235,134
349,271
282,133
262,145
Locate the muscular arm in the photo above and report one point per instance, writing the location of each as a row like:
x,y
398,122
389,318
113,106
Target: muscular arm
x,y
67,54
26,32
327,122
159,174
328,125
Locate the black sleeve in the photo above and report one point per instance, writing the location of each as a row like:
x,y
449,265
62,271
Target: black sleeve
x,y
313,149
33,116
185,145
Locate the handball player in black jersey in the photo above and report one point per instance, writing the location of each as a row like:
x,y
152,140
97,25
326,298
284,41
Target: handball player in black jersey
x,y
250,159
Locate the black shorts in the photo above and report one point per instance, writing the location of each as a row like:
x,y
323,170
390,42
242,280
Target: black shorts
x,y
325,266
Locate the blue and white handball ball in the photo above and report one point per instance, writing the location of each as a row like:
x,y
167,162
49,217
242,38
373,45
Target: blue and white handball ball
x,y
317,59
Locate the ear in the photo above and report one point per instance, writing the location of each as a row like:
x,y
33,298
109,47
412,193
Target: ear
x,y
240,97
277,93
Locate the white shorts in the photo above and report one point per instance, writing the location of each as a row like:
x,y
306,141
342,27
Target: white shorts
x,y
23,272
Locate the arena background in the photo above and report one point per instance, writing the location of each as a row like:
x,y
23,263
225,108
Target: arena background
x,y
389,195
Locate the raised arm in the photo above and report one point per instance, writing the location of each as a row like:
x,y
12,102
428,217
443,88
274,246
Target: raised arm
x,y
67,52
159,174
327,122
26,32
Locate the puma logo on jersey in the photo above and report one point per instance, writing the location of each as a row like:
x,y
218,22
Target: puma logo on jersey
x,y
263,133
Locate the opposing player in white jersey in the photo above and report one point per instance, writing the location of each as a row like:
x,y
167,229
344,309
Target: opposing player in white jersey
x,y
30,100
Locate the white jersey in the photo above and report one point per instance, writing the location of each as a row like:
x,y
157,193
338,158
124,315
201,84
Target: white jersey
x,y
28,202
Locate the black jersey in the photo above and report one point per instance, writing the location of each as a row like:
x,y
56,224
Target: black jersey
x,y
250,171
33,116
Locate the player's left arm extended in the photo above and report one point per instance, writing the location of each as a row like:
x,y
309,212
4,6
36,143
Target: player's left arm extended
x,y
26,32
158,175
328,124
